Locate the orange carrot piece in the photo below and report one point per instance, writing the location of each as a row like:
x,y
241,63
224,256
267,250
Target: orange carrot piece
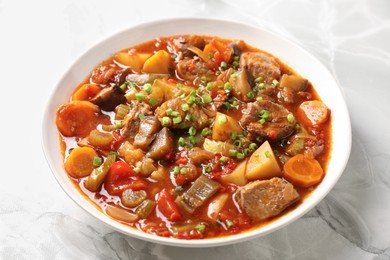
x,y
77,118
80,162
86,92
314,112
302,171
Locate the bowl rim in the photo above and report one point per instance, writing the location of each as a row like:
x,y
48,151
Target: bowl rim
x,y
209,242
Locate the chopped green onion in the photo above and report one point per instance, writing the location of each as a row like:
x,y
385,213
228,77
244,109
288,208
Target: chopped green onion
x,y
185,107
183,170
181,141
178,188
137,170
290,118
259,99
267,154
233,76
177,120
297,126
123,86
210,86
192,131
235,63
173,57
246,151
211,55
233,152
191,100
240,156
233,135
205,78
175,114
275,82
97,161
244,133
207,168
262,121
237,143
148,88
176,170
229,223
193,93
118,124
200,227
182,125
250,94
228,86
253,146
206,98
141,115
165,121
222,119
264,114
192,139
223,65
236,58
140,96
206,132
257,80
169,111
153,102
261,85
223,159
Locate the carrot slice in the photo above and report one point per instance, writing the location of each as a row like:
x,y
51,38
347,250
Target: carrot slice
x,y
80,162
314,112
77,118
86,92
302,171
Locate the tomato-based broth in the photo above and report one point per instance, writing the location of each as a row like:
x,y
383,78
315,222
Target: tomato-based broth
x,y
195,137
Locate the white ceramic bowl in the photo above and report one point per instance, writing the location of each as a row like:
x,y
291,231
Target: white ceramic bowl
x,y
288,52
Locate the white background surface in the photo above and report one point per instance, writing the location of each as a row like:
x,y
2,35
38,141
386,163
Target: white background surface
x,y
40,39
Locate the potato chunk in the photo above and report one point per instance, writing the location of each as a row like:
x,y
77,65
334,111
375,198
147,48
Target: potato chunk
x,y
237,176
223,126
262,164
158,63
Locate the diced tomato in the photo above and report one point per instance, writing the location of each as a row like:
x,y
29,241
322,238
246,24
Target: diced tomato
x,y
170,155
172,81
167,206
181,161
180,179
120,177
272,134
218,57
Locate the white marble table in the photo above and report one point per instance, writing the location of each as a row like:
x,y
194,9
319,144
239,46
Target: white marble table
x,y
40,39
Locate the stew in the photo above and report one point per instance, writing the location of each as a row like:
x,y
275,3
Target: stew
x,y
195,137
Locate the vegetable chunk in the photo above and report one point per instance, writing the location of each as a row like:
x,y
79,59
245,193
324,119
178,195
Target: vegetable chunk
x,y
80,162
262,164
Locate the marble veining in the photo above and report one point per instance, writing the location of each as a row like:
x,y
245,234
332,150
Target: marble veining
x,y
351,38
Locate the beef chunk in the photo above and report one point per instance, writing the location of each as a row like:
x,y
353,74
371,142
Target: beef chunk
x,y
199,119
276,125
147,132
131,122
108,98
162,145
183,42
267,198
191,69
260,64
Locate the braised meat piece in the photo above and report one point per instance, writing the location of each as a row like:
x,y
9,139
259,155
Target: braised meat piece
x,y
162,145
183,42
148,128
195,116
108,98
267,119
260,64
191,69
267,198
131,122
